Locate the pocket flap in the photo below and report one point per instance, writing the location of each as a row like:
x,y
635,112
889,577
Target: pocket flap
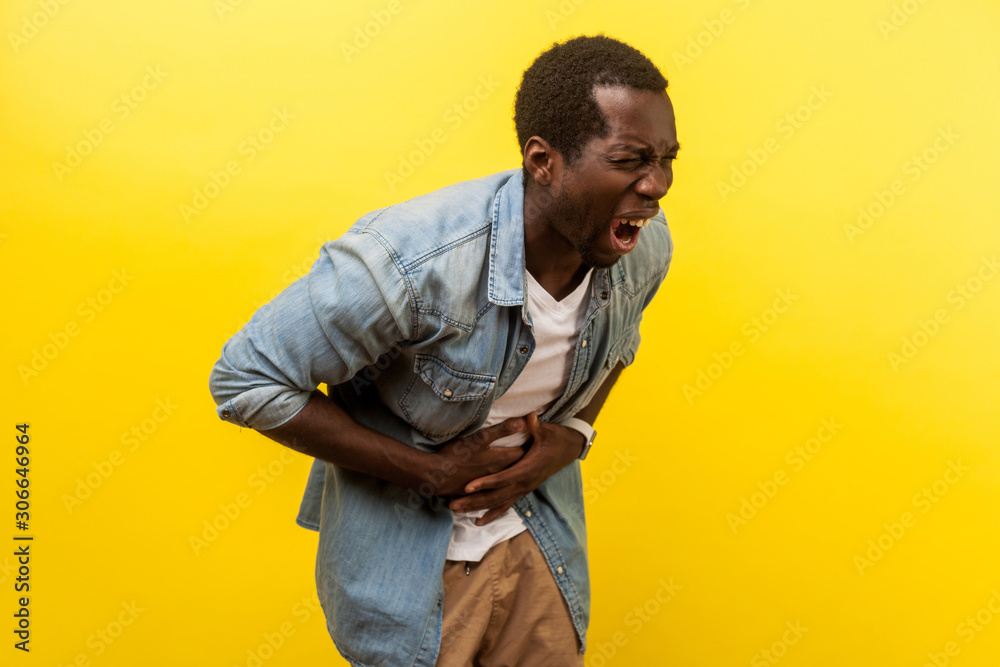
x,y
450,384
619,347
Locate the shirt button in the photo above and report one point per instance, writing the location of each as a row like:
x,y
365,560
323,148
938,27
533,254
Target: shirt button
x,y
527,513
604,295
447,393
226,413
559,570
524,349
583,344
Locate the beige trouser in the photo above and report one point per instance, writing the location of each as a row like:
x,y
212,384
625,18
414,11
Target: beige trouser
x,y
507,611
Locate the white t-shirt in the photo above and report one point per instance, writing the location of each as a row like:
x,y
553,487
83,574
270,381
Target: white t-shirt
x,y
556,329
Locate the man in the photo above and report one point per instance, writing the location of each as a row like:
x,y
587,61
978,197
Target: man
x,y
468,338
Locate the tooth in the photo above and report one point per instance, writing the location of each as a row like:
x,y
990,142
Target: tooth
x,y
646,221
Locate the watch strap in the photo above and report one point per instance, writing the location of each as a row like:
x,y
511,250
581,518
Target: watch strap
x,y
585,429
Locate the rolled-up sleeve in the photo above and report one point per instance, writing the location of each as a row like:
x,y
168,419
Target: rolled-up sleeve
x,y
350,308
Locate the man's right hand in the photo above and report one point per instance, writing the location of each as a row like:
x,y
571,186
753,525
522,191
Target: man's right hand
x,y
324,431
462,460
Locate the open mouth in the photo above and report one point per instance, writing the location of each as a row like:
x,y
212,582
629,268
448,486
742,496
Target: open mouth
x,y
625,234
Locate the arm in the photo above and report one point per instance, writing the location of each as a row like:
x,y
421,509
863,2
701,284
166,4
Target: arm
x,y
348,310
351,308
590,411
554,447
324,431
553,443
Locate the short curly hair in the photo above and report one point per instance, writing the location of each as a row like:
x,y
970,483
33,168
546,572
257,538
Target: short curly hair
x,y
555,100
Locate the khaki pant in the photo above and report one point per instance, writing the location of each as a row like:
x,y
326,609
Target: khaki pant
x,y
507,611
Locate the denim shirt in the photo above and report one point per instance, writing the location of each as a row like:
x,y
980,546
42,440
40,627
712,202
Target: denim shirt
x,y
415,320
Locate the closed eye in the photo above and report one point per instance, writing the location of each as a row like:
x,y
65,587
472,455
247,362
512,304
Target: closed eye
x,y
637,161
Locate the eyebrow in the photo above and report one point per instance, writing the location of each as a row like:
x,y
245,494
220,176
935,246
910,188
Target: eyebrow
x,y
636,148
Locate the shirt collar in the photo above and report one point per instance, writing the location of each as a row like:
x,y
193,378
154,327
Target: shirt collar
x,y
507,243
507,248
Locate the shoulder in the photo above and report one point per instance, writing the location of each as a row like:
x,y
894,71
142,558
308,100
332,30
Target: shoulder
x,y
428,224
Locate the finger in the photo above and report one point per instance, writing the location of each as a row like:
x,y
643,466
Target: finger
x,y
495,513
500,458
533,426
493,481
484,500
508,475
507,427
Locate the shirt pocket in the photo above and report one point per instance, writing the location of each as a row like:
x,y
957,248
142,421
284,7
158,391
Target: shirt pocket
x,y
441,401
619,347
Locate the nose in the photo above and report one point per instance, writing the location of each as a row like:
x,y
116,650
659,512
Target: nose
x,y
656,180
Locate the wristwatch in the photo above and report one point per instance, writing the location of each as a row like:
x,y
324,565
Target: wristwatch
x,y
581,427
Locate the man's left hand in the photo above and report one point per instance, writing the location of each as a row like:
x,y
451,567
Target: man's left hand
x,y
553,447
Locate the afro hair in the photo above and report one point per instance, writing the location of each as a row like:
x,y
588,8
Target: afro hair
x,y
555,100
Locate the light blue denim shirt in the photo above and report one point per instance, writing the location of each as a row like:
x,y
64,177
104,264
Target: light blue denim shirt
x,y
415,320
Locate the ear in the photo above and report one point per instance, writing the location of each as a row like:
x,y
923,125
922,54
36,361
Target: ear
x,y
543,162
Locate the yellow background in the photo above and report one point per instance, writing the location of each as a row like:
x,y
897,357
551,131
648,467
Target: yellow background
x,y
896,75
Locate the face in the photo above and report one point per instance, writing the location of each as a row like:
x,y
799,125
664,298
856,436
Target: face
x,y
618,178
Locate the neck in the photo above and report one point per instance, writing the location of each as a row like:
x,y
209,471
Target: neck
x,y
548,256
